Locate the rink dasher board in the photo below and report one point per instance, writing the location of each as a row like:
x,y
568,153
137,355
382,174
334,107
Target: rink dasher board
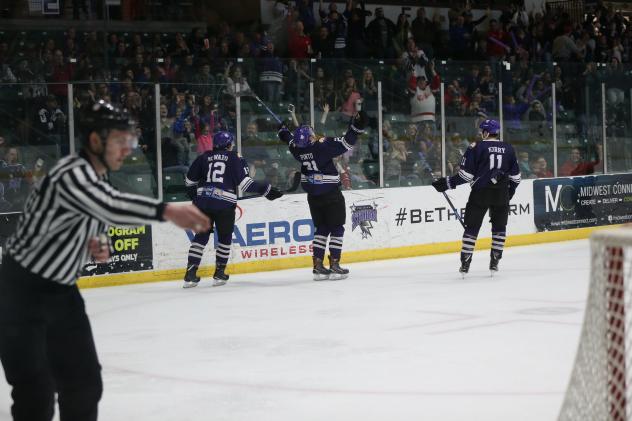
x,y
381,224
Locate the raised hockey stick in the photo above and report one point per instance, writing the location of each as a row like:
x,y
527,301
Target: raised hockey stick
x,y
276,117
296,182
427,167
250,93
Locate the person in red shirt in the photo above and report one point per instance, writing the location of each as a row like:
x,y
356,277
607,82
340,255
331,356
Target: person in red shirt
x,y
300,45
495,37
58,74
575,165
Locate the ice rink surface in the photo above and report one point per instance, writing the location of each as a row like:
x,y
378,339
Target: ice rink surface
x,y
400,339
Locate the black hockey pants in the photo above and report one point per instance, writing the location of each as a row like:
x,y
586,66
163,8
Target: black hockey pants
x,y
46,347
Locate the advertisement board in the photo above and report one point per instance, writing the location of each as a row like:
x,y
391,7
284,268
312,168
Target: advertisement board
x,y
376,219
565,203
131,251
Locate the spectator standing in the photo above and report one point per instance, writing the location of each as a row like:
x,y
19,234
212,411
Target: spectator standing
x,y
323,44
471,35
233,78
356,36
203,137
270,74
495,37
414,62
564,47
488,89
402,34
380,34
422,102
458,39
300,44
336,25
350,96
59,74
424,32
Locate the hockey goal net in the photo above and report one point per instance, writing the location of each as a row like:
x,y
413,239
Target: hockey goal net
x,y
599,386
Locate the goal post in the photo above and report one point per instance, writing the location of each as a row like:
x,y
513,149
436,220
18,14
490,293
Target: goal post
x,y
598,388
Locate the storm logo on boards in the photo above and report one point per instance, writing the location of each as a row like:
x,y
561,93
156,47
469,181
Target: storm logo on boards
x,y
363,216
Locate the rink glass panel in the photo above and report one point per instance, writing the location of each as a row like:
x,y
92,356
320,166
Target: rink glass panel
x,y
269,159
187,115
138,174
587,91
580,117
34,127
527,108
339,87
466,106
411,127
618,104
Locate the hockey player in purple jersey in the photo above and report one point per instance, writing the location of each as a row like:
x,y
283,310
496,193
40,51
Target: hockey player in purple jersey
x,y
491,168
321,181
213,183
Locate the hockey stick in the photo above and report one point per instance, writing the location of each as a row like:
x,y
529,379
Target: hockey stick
x,y
296,182
278,120
426,166
250,93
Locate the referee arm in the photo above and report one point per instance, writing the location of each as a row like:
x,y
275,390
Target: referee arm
x,y
84,192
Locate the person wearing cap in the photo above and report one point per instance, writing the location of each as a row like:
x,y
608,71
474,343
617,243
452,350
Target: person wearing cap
x,y
491,168
46,343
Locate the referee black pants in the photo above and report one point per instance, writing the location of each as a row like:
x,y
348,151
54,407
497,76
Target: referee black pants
x,y
46,348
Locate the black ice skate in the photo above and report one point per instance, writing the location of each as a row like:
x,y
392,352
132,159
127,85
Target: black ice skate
x,y
494,257
466,259
190,277
220,277
336,271
321,273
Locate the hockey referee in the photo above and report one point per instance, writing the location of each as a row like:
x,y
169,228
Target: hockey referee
x,y
46,343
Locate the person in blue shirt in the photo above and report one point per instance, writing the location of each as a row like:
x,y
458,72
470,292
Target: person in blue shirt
x,y
491,168
321,181
214,181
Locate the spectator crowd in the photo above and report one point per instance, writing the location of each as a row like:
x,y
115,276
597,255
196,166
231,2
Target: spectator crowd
x,y
344,49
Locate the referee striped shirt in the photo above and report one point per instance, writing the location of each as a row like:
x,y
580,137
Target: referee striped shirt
x,y
65,209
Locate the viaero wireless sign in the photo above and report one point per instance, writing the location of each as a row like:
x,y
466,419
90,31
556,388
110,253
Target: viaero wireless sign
x,y
565,203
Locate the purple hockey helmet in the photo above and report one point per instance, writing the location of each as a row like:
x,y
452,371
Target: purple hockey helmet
x,y
490,126
302,136
222,140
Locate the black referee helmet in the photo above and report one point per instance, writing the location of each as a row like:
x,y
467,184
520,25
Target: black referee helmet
x,y
103,117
